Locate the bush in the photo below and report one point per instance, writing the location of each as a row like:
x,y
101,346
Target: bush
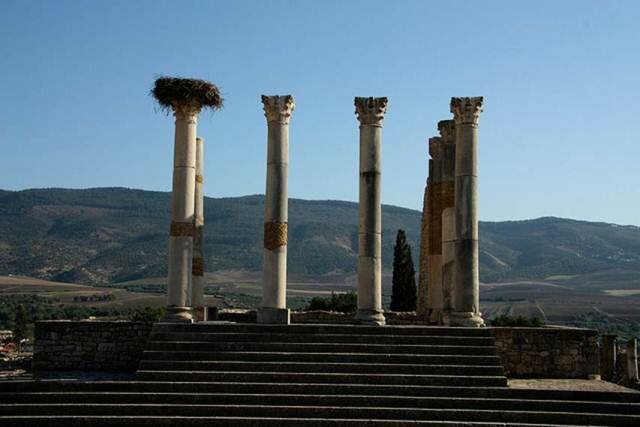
x,y
344,303
147,314
521,321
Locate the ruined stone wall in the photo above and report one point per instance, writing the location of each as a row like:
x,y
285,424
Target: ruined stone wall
x,y
89,345
548,352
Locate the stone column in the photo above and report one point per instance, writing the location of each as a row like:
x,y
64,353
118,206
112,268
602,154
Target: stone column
x,y
277,110
608,356
466,311
197,271
447,204
423,267
632,362
434,286
370,112
182,212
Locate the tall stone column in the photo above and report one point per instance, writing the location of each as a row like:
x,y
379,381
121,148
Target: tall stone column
x,y
466,311
370,112
197,271
182,211
434,287
447,204
632,362
277,110
422,308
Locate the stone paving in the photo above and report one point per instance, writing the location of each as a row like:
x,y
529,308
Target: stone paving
x,y
578,385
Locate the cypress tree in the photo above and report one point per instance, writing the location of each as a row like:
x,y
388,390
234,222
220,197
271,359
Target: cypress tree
x,y
404,294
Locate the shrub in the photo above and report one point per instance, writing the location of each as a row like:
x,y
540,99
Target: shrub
x,y
343,302
505,320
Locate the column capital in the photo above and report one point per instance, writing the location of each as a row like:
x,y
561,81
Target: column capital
x,y
447,130
435,147
370,111
186,111
467,109
278,108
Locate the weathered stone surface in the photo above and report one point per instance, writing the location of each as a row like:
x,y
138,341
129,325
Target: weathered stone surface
x,y
278,110
70,345
370,113
548,352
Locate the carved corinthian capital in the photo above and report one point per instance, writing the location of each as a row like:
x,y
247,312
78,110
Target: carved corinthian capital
x,y
186,111
371,110
278,108
447,129
466,109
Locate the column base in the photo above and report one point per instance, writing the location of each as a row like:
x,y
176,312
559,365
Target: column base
x,y
178,315
198,314
370,317
270,315
435,317
466,319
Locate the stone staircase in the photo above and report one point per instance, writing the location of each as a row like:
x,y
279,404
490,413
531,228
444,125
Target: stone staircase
x,y
311,375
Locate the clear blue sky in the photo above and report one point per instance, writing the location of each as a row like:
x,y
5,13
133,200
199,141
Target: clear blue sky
x,y
559,135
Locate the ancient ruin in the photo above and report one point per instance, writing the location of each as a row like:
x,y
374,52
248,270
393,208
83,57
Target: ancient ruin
x,y
449,292
277,110
197,269
393,370
370,112
185,97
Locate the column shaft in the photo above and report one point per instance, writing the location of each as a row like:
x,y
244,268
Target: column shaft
x,y
447,217
422,308
434,297
182,213
370,114
197,291
466,274
274,274
632,362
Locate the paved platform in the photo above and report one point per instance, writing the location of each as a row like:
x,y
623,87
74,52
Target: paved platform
x,y
577,385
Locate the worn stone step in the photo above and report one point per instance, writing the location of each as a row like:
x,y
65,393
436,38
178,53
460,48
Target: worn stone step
x,y
21,386
285,411
324,338
315,367
298,329
320,347
435,359
152,421
322,378
321,400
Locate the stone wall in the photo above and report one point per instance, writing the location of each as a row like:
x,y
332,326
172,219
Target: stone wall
x,y
548,352
89,345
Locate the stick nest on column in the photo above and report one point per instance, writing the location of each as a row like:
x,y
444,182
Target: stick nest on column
x,y
175,90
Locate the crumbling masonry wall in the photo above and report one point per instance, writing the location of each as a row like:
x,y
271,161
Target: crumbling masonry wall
x,y
62,345
548,352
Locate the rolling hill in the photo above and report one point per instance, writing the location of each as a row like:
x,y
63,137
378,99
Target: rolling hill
x,y
108,235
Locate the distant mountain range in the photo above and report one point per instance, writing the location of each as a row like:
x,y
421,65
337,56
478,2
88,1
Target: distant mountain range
x,y
107,235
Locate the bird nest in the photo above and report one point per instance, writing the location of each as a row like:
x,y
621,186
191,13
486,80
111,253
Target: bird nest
x,y
170,91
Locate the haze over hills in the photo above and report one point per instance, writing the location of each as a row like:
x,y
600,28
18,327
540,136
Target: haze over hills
x,y
107,235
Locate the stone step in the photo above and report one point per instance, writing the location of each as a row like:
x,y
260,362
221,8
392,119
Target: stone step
x,y
319,367
433,359
298,329
320,400
323,338
320,347
152,421
316,411
322,378
21,386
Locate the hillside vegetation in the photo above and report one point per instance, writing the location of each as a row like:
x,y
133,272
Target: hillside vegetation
x,y
108,235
